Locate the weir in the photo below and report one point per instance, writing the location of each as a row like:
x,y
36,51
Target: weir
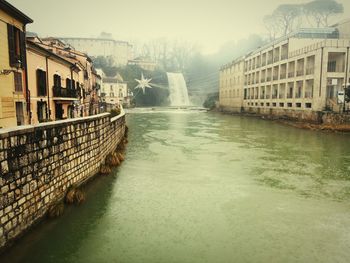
x,y
178,90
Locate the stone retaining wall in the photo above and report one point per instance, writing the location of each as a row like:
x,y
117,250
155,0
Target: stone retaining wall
x,y
39,163
308,116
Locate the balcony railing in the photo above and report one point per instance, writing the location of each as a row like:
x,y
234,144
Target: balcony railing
x,y
289,96
283,75
335,68
308,94
300,72
263,63
298,95
64,93
281,96
291,74
275,77
268,79
269,61
284,56
274,96
276,58
310,71
262,80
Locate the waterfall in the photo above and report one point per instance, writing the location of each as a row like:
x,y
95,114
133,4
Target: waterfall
x,y
178,90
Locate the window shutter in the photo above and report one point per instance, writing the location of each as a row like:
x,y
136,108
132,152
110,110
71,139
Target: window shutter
x,y
11,44
22,41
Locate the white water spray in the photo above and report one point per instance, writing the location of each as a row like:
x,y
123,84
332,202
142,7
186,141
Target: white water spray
x,y
178,90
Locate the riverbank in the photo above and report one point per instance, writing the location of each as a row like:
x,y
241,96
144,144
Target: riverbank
x,y
327,121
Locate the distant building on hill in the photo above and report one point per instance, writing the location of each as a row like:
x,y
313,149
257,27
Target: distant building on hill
x,y
144,63
120,51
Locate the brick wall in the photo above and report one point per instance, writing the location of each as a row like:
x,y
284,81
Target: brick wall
x,y
39,163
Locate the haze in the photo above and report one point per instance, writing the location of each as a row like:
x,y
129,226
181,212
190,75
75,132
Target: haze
x,y
209,23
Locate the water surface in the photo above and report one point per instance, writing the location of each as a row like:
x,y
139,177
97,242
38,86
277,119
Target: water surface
x,y
203,187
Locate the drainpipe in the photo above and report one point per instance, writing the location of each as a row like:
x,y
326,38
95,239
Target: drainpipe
x,y
48,110
346,75
27,91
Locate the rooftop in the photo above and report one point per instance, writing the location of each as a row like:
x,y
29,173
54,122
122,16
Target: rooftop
x,y
13,11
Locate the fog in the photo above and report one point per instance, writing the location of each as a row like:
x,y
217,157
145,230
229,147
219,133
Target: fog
x,y
209,24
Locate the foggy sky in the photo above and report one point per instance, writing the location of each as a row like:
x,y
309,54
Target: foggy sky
x,y
208,23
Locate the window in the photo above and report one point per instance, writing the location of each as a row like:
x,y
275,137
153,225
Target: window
x,y
57,80
289,104
17,46
19,113
41,82
298,105
18,81
308,105
281,104
41,111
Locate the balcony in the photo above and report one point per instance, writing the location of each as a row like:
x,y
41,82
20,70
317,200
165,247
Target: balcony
x,y
60,92
275,59
268,79
291,74
332,67
275,77
269,61
262,80
283,75
289,96
284,56
274,96
263,63
300,72
310,71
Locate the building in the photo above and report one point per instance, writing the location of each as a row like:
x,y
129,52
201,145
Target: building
x,y
87,103
231,85
13,64
54,85
114,92
144,63
298,75
120,51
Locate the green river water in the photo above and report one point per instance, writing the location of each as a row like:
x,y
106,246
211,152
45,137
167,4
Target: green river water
x,y
205,187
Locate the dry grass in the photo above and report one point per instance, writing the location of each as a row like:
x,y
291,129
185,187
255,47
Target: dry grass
x,y
75,196
56,210
104,170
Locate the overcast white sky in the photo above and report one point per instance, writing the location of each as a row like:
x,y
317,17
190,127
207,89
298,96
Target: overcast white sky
x,y
209,23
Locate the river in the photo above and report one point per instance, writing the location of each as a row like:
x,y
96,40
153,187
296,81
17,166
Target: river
x,y
205,187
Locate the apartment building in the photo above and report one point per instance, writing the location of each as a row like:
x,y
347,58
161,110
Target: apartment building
x,y
114,92
297,75
231,85
87,103
13,77
54,85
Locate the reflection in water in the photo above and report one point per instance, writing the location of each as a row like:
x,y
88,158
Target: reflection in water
x,y
199,187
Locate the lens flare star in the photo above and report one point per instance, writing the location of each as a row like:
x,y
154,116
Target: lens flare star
x,y
143,83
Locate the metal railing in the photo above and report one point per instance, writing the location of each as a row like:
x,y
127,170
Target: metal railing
x,y
64,93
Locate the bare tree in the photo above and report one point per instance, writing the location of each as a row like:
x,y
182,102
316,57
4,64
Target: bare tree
x,y
271,27
322,10
287,17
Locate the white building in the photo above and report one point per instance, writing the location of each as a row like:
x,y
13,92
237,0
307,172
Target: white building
x,y
114,91
120,51
298,75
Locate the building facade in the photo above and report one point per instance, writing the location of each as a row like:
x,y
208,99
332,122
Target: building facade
x,y
114,92
144,63
13,64
120,51
298,75
53,83
231,85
